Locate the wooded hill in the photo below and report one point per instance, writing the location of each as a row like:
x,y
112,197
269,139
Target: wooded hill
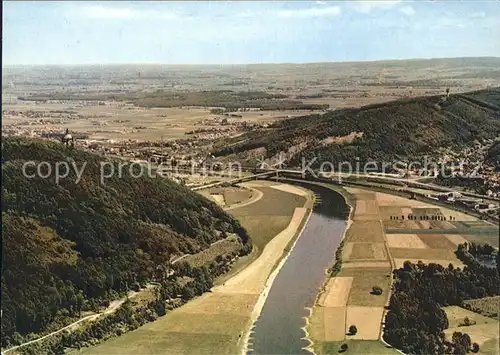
x,y
70,246
406,128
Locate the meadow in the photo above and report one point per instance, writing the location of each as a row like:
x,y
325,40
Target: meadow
x,y
487,306
483,330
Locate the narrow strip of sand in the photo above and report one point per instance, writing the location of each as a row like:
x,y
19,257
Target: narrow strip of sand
x,y
257,195
275,252
258,277
291,189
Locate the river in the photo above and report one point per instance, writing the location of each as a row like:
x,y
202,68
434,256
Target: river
x,y
279,328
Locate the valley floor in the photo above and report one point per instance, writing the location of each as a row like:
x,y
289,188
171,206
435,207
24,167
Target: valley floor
x,y
216,322
379,239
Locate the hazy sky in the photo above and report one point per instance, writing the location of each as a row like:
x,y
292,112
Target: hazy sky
x,y
246,32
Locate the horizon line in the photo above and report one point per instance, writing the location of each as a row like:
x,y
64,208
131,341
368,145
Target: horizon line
x,y
251,63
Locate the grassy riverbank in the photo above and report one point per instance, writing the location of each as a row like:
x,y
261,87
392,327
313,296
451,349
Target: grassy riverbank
x,y
215,322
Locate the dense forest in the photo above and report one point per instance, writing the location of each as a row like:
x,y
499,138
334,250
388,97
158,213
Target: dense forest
x,y
227,99
406,128
415,321
70,247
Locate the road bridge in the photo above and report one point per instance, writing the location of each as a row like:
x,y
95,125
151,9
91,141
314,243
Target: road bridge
x,y
332,176
235,181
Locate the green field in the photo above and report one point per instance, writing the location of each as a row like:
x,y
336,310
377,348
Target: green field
x,y
363,282
456,316
144,341
365,232
262,231
234,196
490,347
263,220
274,203
491,239
358,347
483,330
423,254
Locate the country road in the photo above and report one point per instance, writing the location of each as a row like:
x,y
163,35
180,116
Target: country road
x,y
185,255
412,182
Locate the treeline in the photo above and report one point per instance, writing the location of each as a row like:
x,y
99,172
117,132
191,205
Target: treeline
x,y
480,249
468,253
391,131
335,269
227,99
415,321
71,247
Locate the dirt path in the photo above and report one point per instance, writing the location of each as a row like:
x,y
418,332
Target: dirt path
x,y
113,306
257,195
186,255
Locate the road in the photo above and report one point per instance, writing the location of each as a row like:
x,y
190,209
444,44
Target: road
x,y
113,306
413,182
185,255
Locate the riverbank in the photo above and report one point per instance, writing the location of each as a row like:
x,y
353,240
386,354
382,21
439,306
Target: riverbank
x,y
346,299
350,201
380,238
216,321
280,327
265,292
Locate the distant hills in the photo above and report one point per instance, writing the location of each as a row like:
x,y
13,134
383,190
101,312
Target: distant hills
x,y
70,246
402,129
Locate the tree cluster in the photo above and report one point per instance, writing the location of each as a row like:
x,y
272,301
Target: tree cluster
x,y
228,100
468,253
335,269
415,321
